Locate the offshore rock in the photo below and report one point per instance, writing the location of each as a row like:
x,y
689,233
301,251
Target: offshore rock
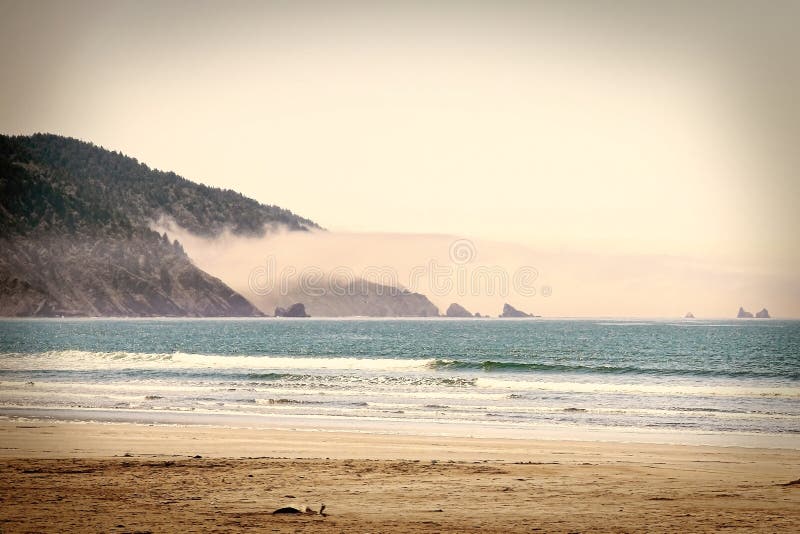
x,y
511,311
457,310
295,310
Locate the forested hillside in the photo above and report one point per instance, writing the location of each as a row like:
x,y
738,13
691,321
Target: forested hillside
x,y
109,181
76,240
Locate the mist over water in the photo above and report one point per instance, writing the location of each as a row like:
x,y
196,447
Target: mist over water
x,y
482,274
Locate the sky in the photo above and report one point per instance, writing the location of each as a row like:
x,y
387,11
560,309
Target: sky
x,y
627,136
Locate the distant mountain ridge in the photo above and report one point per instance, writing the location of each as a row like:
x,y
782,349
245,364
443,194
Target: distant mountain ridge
x,y
76,239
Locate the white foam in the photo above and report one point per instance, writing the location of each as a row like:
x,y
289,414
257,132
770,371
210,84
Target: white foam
x,y
71,360
644,389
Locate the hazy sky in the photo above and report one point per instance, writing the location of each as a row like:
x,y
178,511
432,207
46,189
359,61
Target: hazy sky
x,y
603,127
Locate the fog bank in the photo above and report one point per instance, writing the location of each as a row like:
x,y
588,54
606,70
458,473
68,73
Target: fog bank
x,y
482,275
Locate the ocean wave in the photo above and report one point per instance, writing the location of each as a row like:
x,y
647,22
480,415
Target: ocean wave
x,y
275,367
86,360
517,367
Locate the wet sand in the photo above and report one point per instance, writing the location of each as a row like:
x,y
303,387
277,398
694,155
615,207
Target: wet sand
x,y
72,477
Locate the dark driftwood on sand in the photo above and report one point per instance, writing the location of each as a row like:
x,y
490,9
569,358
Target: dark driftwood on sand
x,y
293,510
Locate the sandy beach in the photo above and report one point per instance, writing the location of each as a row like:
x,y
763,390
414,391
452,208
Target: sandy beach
x,y
81,477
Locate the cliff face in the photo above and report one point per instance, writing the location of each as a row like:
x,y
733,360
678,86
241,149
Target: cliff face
x,y
106,277
74,230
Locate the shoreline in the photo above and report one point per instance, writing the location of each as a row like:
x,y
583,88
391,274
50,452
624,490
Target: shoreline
x,y
47,438
123,477
366,426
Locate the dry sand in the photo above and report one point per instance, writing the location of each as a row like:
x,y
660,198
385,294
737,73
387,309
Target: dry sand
x,y
68,477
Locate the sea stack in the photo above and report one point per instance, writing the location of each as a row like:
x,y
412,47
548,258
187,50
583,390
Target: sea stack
x,y
295,310
511,311
763,314
457,310
744,314
689,315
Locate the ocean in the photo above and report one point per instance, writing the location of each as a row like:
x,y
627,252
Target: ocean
x,y
719,382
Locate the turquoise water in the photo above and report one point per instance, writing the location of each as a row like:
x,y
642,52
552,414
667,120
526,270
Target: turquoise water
x,y
698,376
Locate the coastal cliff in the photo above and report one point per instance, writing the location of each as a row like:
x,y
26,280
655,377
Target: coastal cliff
x,y
75,230
358,298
